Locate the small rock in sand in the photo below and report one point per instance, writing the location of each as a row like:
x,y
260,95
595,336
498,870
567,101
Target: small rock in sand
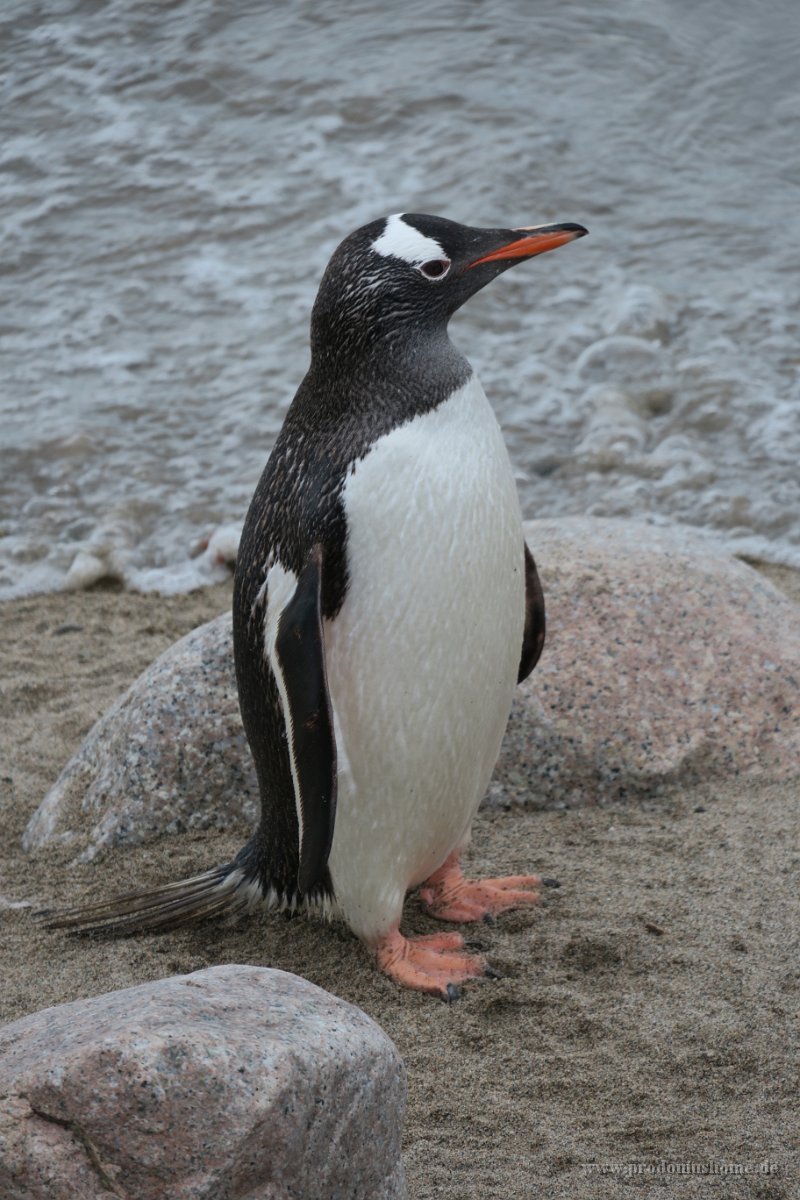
x,y
237,1081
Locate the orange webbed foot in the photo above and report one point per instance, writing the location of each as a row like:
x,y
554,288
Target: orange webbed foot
x,y
450,897
435,963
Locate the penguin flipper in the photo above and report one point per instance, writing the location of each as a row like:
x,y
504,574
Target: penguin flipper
x,y
308,713
533,637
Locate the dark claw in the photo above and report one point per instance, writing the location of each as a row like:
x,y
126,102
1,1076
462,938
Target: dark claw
x,y
453,993
490,973
489,919
551,883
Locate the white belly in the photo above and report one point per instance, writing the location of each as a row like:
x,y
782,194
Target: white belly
x,y
422,659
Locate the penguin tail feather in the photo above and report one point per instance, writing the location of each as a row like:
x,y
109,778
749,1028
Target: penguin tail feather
x,y
219,892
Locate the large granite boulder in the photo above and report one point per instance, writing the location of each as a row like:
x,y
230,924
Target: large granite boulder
x,y
233,1082
666,661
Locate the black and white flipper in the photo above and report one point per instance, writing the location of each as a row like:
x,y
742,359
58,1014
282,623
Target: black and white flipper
x,y
299,665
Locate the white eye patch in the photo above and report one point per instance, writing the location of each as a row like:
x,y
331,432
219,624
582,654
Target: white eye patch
x,y
400,240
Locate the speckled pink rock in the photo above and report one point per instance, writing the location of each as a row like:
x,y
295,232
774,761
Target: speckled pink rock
x,y
233,1082
666,661
168,756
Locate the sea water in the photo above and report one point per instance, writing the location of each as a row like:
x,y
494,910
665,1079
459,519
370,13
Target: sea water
x,y
174,177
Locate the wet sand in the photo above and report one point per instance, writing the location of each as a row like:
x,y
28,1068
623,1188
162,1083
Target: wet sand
x,y
646,1015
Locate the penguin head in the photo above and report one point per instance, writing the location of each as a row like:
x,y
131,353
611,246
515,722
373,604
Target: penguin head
x,y
405,275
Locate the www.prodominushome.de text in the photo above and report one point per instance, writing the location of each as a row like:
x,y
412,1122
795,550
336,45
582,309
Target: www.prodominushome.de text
x,y
681,1168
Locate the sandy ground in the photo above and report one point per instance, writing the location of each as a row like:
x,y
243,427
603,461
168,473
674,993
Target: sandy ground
x,y
647,1015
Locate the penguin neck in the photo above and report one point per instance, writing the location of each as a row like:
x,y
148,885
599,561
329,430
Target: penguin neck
x,y
395,357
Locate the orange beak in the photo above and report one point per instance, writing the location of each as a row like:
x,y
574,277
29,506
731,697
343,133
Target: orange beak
x,y
539,239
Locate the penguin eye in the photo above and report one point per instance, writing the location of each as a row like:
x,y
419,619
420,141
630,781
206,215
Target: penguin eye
x,y
437,268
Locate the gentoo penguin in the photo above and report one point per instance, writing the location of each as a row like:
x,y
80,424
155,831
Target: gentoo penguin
x,y
385,606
